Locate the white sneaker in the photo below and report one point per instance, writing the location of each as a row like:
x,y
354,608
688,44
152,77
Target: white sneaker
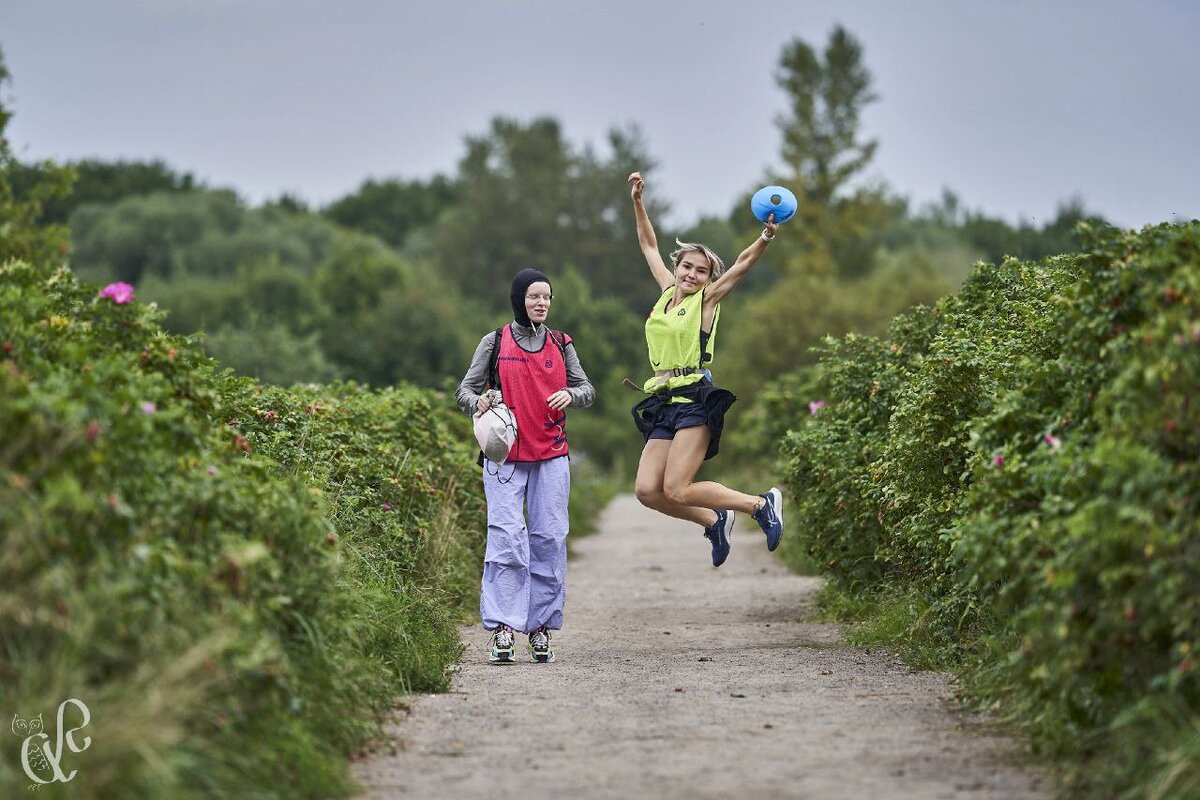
x,y
502,646
539,646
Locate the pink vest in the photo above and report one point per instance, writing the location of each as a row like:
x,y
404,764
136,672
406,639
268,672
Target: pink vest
x,y
527,379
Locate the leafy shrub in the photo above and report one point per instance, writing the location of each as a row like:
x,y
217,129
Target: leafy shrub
x,y
237,580
801,309
1022,460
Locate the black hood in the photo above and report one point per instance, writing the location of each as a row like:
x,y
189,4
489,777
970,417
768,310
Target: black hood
x,y
521,283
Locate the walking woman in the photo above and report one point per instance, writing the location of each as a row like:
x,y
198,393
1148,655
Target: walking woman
x,y
538,374
682,418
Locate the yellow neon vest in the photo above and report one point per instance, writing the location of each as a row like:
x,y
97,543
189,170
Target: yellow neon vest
x,y
673,339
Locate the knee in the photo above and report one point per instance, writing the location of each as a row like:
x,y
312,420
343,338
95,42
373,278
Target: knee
x,y
505,546
548,548
649,496
676,493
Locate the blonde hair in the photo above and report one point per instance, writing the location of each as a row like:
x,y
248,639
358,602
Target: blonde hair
x,y
714,260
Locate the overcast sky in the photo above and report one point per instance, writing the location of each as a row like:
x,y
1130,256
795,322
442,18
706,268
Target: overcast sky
x,y
1017,106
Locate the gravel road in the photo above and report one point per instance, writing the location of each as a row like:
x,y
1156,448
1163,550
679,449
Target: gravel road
x,y
675,680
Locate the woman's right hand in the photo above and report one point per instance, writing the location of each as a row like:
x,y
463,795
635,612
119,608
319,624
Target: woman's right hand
x,y
638,186
483,405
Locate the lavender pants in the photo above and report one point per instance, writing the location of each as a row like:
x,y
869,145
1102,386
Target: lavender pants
x,y
525,566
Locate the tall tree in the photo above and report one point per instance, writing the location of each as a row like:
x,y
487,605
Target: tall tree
x,y
823,153
530,199
510,214
831,282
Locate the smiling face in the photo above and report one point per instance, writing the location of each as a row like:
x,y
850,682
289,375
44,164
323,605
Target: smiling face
x,y
692,272
537,302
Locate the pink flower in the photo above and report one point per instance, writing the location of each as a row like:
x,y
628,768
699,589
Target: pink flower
x,y
387,506
212,470
1052,440
998,461
814,406
148,407
120,292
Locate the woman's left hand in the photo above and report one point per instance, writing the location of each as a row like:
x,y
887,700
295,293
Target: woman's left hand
x,y
559,400
770,228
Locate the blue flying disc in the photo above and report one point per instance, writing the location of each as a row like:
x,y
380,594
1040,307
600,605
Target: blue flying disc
x,y
773,199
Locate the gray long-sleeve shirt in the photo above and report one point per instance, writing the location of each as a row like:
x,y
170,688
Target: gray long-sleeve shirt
x,y
583,394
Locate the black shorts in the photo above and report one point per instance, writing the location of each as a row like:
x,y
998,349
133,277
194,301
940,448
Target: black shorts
x,y
675,417
657,417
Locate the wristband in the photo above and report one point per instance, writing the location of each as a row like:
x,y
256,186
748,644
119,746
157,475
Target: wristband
x,y
765,238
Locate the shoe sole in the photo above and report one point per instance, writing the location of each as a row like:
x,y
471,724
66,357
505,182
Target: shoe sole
x,y
778,495
541,658
502,658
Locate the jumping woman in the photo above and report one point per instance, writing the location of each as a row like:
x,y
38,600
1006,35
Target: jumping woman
x,y
682,418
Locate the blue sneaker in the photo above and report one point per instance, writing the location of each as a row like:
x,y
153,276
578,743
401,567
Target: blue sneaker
x,y
770,517
718,534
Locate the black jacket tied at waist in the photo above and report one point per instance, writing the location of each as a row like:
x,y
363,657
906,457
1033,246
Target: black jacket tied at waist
x,y
715,400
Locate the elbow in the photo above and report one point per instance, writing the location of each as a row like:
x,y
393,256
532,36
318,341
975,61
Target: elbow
x,y
466,400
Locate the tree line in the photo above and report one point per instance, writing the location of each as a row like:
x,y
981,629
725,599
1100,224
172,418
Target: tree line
x,y
397,280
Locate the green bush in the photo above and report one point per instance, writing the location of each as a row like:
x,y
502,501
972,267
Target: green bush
x,y
1018,467
238,580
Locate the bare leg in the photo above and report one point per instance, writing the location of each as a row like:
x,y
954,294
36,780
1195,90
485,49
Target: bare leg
x,y
683,461
649,486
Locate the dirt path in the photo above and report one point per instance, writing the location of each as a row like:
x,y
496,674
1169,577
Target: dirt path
x,y
676,680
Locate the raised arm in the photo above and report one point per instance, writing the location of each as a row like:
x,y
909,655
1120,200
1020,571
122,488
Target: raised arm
x,y
722,286
646,239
